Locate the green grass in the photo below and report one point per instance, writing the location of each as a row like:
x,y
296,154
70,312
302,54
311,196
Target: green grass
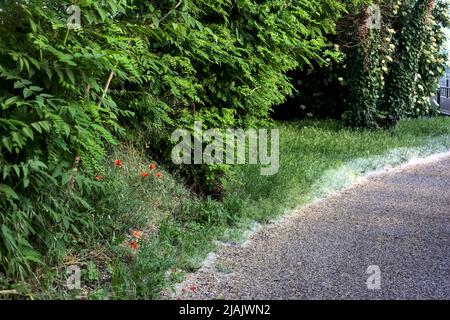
x,y
179,229
317,158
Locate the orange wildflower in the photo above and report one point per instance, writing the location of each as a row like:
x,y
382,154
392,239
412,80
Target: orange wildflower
x,y
159,175
137,234
144,174
134,245
152,167
99,177
118,163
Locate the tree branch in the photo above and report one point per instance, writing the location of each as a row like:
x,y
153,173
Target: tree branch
x,y
170,12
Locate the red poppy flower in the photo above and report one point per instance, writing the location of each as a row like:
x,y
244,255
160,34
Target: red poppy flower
x,y
134,245
152,167
144,174
159,175
137,234
99,177
118,163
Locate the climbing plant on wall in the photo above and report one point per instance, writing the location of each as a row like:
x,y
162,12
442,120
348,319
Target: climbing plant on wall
x,y
432,62
364,74
393,70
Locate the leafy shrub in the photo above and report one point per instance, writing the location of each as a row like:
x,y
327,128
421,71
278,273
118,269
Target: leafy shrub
x,y
67,94
54,129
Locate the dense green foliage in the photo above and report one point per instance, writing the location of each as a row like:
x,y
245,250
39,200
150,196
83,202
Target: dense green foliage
x,y
409,54
399,97
133,71
432,59
67,94
387,72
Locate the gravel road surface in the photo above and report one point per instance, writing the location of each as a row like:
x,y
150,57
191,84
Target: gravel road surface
x,y
398,221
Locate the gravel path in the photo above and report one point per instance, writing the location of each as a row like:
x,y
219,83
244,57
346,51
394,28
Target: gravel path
x,y
398,221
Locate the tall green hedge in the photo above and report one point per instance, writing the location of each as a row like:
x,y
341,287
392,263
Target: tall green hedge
x,y
67,94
